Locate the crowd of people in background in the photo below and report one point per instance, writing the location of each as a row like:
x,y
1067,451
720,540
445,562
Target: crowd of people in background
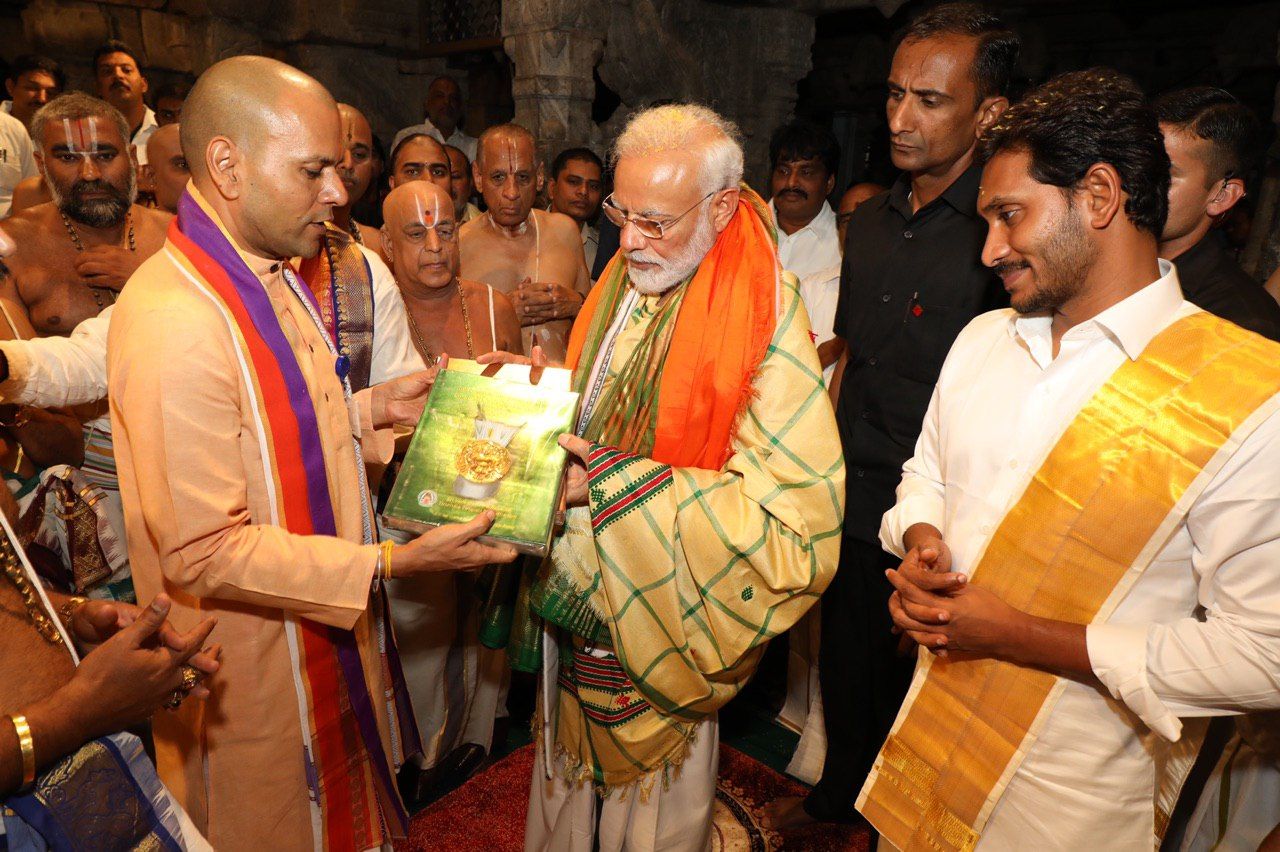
x,y
811,414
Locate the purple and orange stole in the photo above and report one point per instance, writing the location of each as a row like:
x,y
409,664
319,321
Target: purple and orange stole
x,y
354,800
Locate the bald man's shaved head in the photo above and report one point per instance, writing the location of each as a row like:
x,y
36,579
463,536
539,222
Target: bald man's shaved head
x,y
264,142
420,235
357,167
166,166
353,115
502,135
415,200
240,98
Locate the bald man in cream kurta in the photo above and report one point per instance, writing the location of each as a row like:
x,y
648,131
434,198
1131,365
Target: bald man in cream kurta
x,y
198,517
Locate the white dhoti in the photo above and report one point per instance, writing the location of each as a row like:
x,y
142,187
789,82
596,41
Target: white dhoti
x,y
564,817
457,686
803,708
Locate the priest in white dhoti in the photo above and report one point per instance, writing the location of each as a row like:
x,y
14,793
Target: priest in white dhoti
x,y
1090,524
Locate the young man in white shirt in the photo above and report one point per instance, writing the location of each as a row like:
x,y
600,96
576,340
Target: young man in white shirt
x,y
1089,526
804,158
576,189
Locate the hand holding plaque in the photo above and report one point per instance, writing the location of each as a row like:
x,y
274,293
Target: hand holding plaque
x,y
451,547
488,442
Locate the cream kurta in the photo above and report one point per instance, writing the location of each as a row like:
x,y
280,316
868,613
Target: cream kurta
x,y
197,511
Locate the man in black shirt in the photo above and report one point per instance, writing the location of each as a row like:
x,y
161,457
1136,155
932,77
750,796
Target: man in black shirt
x,y
912,278
1212,140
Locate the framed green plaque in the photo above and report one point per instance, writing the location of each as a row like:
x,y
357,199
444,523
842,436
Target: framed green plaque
x,y
487,442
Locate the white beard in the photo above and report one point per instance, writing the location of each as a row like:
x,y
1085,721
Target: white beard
x,y
671,271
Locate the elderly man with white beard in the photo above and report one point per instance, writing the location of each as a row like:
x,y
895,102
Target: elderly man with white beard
x,y
705,501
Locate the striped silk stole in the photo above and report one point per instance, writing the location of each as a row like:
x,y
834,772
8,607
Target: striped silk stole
x,y
354,800
1109,494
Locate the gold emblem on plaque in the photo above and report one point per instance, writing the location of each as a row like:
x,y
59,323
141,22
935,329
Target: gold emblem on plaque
x,y
483,461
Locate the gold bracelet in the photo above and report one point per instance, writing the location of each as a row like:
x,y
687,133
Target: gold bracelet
x,y
386,558
28,747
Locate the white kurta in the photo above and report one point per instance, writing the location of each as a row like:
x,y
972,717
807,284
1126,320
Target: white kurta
x,y
16,159
820,292
1001,403
812,254
803,707
57,372
464,143
139,141
811,249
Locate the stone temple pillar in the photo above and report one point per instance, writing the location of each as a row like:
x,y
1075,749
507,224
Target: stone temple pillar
x,y
555,45
743,62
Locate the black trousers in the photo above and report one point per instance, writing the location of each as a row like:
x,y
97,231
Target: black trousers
x,y
863,678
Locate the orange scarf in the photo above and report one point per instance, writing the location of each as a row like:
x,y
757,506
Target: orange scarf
x,y
726,320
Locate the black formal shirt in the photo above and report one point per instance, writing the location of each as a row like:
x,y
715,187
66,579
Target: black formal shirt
x,y
1211,279
908,284
609,239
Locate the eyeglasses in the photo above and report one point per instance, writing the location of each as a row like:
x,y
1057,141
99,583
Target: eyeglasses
x,y
649,228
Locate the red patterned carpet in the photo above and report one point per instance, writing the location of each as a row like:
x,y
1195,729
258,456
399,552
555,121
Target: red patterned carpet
x,y
487,813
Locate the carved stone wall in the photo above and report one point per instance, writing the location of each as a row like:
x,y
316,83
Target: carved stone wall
x,y
742,61
355,47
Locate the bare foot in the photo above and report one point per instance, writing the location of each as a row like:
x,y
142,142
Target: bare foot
x,y
785,814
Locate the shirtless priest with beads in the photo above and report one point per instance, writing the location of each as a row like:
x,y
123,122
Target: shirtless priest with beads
x,y
447,315
455,683
533,256
76,252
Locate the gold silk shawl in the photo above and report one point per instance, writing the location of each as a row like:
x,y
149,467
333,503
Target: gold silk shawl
x,y
1103,504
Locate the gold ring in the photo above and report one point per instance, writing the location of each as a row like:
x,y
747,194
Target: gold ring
x,y
190,677
175,701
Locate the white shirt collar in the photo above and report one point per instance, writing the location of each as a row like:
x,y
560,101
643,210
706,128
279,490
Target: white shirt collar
x,y
1130,323
823,222
452,139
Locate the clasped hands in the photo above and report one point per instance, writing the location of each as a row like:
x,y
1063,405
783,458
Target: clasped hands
x,y
135,662
537,302
939,609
